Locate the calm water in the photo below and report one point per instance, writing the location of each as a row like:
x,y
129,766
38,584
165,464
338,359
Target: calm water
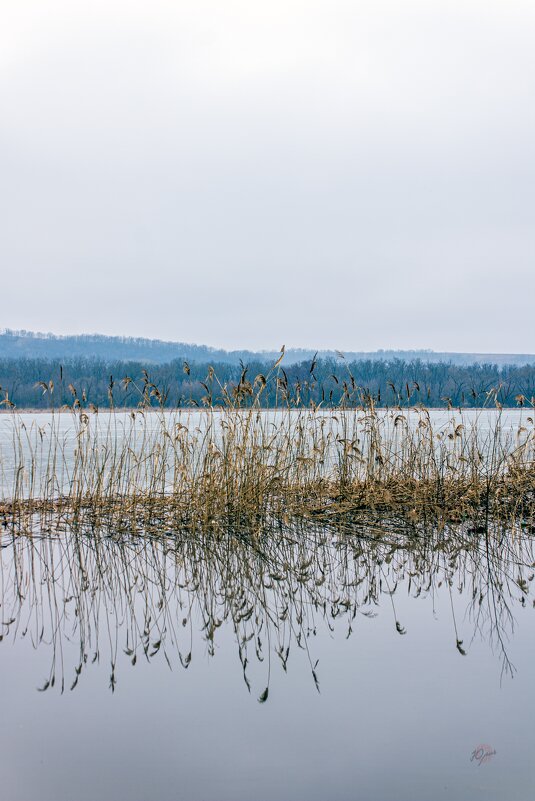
x,y
44,444
358,642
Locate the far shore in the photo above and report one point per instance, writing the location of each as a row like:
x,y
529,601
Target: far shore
x,y
198,410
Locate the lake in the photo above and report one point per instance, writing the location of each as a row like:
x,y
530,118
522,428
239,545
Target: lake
x,y
39,451
200,605
305,663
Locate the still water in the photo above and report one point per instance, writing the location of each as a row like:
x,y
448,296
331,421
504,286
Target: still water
x,y
39,451
297,665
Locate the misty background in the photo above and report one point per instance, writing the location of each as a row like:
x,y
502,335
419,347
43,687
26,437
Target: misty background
x,y
353,175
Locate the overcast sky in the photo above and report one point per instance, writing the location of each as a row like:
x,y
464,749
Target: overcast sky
x,y
346,174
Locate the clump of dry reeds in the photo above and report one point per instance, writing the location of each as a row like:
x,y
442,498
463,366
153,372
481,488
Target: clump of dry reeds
x,y
233,461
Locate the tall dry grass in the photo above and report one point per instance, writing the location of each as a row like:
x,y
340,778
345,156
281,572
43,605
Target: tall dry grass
x,y
234,461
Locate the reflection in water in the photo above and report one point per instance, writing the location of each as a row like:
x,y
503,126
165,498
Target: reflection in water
x,y
164,595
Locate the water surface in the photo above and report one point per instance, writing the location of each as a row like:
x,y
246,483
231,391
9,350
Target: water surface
x,y
40,453
301,664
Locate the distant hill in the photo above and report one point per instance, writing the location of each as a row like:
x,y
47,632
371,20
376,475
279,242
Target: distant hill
x,y
31,345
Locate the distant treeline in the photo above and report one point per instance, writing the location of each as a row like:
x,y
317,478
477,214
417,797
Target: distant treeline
x,y
45,383
31,345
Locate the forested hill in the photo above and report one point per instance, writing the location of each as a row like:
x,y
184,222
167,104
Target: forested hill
x,y
30,345
86,383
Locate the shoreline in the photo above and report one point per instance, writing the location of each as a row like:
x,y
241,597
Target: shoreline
x,y
198,410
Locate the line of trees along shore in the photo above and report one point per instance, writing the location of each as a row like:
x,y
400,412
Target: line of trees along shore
x,y
33,345
44,383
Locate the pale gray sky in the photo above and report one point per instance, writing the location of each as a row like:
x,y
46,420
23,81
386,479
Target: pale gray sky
x,y
327,174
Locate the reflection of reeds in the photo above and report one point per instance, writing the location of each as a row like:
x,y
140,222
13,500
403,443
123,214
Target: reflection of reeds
x,y
236,461
94,595
136,531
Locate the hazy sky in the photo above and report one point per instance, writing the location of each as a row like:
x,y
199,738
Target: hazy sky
x,y
344,173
